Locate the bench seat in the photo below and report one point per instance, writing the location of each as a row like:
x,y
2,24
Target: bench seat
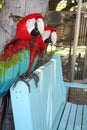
x,y
72,117
45,107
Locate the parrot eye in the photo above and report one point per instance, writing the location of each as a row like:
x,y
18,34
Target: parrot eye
x,y
30,24
28,21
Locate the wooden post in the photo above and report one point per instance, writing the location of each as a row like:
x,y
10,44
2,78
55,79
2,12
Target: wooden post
x,y
76,37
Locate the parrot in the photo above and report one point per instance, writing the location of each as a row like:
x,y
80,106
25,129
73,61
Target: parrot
x,y
49,36
40,45
36,45
15,56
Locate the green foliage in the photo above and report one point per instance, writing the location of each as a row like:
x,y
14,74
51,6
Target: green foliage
x,y
1,3
62,4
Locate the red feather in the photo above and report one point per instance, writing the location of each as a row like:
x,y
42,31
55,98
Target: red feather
x,y
21,26
36,49
50,28
14,47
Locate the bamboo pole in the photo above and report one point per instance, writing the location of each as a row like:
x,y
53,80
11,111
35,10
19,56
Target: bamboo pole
x,y
76,37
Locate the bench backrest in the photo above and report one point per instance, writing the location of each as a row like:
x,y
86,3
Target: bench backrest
x,y
37,109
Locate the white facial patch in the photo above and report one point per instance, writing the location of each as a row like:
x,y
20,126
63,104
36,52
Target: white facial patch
x,y
30,24
54,37
40,25
46,34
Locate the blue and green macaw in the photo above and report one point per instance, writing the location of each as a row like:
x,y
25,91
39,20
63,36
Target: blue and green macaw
x,y
15,57
20,56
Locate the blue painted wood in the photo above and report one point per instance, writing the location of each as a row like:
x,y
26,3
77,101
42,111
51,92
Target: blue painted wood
x,y
74,85
44,107
78,121
65,117
58,90
58,117
46,92
36,107
71,121
21,107
84,124
59,77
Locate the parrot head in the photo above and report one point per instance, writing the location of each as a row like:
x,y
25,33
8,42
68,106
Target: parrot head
x,y
31,25
49,36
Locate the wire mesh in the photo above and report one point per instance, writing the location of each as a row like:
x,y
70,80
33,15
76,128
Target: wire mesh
x,y
77,96
80,66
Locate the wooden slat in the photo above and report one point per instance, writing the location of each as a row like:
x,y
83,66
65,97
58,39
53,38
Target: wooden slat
x,y
78,121
84,124
21,107
70,124
64,119
58,116
75,85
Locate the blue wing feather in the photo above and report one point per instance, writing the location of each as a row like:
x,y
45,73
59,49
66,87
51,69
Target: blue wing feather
x,y
10,75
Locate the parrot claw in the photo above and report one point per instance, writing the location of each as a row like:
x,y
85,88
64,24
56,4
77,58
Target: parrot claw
x,y
14,85
27,84
36,78
19,79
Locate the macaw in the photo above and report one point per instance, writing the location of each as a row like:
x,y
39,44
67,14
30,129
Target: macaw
x,y
49,35
36,45
15,56
40,45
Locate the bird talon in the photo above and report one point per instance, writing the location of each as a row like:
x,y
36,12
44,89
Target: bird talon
x,y
36,78
27,84
14,85
19,79
25,76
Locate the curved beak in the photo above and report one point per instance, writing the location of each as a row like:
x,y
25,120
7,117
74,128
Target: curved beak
x,y
39,27
48,41
35,31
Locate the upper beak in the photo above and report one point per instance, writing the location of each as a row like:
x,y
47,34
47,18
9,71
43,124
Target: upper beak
x,y
35,31
39,27
48,41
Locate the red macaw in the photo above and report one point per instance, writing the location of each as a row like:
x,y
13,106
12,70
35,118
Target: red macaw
x,y
15,57
40,45
49,37
31,25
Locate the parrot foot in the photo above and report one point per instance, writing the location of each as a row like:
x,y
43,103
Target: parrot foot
x,y
36,78
19,79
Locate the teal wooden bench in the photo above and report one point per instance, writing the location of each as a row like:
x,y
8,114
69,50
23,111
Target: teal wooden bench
x,y
45,107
